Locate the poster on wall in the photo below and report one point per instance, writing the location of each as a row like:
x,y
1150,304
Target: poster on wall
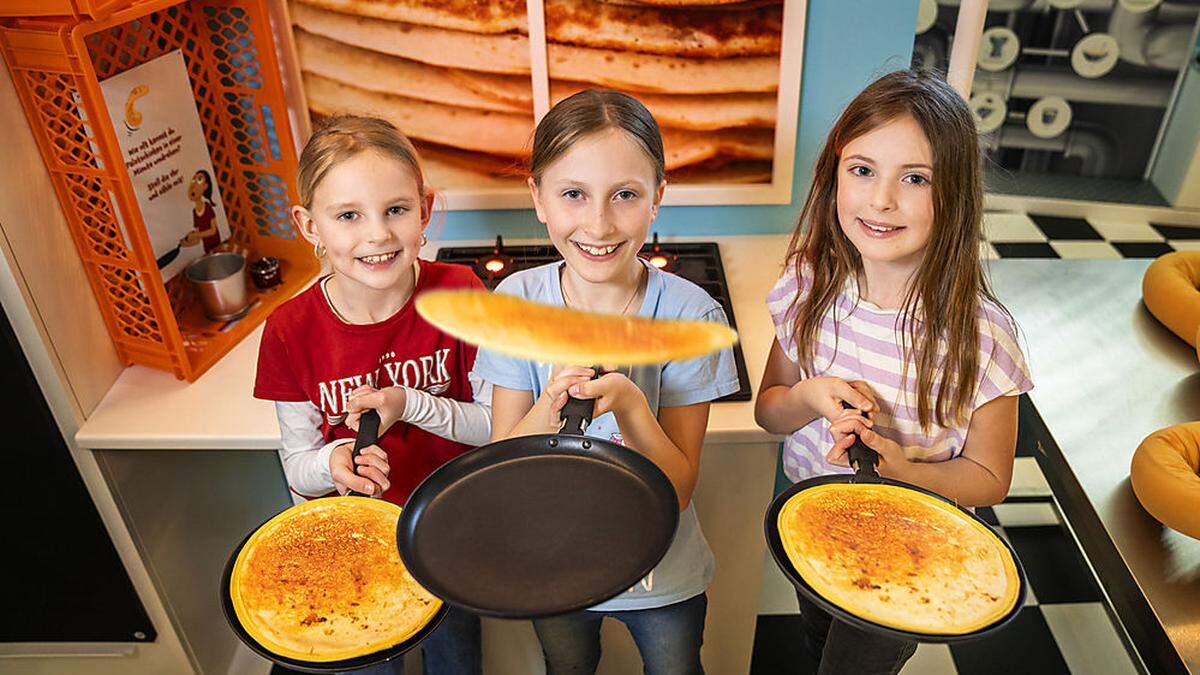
x,y
463,85
154,117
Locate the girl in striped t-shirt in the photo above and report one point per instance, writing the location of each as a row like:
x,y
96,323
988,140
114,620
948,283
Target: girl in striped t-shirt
x,y
884,305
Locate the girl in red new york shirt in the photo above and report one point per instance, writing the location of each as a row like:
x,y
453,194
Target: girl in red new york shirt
x,y
354,341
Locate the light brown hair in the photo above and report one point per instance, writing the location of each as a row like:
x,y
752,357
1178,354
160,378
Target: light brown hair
x,y
589,112
939,313
343,137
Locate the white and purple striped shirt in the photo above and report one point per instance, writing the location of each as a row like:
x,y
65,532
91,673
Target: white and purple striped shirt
x,y
867,347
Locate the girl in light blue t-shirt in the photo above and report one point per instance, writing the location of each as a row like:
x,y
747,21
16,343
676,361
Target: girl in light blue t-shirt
x,y
597,178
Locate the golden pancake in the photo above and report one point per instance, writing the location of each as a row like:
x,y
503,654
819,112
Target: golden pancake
x,y
898,558
697,32
508,134
323,581
392,75
511,93
509,53
485,131
728,5
702,33
555,334
451,167
725,173
494,16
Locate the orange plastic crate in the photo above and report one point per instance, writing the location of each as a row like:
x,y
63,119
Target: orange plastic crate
x,y
93,9
230,55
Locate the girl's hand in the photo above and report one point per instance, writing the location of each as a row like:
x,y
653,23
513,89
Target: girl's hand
x,y
826,394
614,392
891,456
562,378
368,477
389,402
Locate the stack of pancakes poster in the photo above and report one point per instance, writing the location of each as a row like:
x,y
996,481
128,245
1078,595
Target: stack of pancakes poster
x,y
460,78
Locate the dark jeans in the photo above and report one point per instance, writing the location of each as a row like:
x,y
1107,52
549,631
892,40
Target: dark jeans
x,y
668,638
833,646
453,648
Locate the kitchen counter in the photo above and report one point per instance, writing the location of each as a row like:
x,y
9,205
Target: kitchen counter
x,y
204,454
150,409
1106,375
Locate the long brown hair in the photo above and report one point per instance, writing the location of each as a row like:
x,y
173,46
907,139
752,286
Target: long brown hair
x,y
940,310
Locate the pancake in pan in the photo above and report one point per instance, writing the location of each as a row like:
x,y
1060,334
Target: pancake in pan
x,y
323,581
898,558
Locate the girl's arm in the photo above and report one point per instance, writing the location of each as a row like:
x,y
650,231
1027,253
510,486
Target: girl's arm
x,y
314,469
786,402
465,422
673,440
980,476
516,413
304,455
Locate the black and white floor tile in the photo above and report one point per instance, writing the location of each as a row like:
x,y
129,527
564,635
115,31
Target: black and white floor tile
x,y
1016,235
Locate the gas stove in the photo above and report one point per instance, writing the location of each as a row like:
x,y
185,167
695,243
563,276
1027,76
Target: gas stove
x,y
699,263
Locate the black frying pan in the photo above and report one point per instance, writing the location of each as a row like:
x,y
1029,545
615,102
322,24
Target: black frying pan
x,y
368,431
539,525
864,460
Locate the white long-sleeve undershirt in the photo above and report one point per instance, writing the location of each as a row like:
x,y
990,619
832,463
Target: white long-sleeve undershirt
x,y
305,455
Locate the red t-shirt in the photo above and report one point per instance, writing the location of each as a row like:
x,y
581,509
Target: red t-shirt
x,y
309,354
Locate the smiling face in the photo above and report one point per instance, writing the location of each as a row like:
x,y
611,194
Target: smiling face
x,y
597,200
885,193
368,213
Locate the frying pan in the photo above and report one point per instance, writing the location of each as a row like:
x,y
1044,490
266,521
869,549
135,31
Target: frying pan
x,y
539,525
864,460
367,432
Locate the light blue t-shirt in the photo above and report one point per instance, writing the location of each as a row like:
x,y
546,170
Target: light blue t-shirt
x,y
687,568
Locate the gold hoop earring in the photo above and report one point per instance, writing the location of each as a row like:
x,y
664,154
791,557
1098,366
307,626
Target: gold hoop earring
x,y
318,250
424,239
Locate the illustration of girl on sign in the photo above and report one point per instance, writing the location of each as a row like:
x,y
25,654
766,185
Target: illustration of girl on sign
x,y
204,216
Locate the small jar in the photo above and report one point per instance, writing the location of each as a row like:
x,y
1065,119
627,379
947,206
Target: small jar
x,y
265,272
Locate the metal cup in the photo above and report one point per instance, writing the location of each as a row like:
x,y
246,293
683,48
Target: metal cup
x,y
220,281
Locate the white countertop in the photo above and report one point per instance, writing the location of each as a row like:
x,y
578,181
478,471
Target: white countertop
x,y
149,409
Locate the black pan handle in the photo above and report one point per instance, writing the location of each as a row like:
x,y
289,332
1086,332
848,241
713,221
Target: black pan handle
x,y
577,414
368,434
862,458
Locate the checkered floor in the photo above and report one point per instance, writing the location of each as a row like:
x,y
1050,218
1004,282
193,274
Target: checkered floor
x,y
1064,628
1016,235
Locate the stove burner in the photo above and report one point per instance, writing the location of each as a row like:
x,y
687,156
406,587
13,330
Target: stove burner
x,y
658,257
495,266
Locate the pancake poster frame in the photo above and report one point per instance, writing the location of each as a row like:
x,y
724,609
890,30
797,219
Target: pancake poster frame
x,y
308,56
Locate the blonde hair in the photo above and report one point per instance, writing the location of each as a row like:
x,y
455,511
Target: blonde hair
x,y
942,305
343,137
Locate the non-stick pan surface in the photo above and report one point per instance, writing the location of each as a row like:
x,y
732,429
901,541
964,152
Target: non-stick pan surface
x,y
538,525
865,459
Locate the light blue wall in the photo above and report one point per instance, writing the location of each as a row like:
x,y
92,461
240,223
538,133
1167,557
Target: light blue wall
x,y
848,43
